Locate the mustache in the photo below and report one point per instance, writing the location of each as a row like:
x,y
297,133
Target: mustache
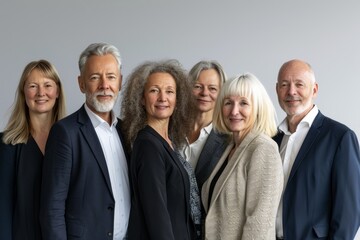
x,y
292,98
103,93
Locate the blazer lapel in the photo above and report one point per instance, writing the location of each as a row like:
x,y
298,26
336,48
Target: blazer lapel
x,y
206,187
92,139
278,138
309,140
206,158
118,128
205,155
231,165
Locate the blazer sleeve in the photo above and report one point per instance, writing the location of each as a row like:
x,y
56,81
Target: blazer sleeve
x,y
148,165
55,183
345,189
263,191
7,188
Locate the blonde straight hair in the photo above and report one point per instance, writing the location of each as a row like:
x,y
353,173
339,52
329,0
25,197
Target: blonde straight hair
x,y
18,129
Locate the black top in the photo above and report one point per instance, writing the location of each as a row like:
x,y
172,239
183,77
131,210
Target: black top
x,y
20,190
215,179
160,206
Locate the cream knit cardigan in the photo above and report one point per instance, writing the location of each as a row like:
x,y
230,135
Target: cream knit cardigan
x,y
247,194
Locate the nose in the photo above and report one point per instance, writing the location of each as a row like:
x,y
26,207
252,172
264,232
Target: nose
x,y
292,89
162,97
204,91
41,91
104,83
234,109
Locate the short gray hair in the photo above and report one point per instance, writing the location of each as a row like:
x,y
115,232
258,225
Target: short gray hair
x,y
206,65
98,49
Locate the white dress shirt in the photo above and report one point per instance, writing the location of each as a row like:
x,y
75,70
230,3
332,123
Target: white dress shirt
x,y
118,170
289,149
191,152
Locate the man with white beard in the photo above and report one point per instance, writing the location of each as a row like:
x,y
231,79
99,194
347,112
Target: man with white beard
x,y
85,188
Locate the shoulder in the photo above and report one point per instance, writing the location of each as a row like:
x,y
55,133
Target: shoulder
x,y
146,133
148,145
330,124
1,140
220,136
263,149
6,148
70,121
263,141
8,154
148,138
333,129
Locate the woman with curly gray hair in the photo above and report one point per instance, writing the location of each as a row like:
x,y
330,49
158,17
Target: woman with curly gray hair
x,y
157,116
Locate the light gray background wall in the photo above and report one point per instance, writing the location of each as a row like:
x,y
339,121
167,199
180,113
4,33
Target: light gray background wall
x,y
243,36
254,36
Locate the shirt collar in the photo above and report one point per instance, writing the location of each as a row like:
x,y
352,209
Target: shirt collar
x,y
307,120
208,128
96,120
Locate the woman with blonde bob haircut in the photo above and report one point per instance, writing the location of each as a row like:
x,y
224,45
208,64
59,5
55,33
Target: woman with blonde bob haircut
x,y
39,103
242,194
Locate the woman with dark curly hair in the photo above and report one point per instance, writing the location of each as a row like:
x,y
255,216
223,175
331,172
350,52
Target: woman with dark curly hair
x,y
157,115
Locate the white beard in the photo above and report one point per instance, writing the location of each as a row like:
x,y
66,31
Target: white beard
x,y
101,106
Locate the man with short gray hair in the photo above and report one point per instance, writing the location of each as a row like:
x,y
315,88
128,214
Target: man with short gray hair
x,y
85,187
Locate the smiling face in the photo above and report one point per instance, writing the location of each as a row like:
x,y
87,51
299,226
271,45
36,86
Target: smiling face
x,y
40,93
237,112
206,90
159,96
296,89
100,81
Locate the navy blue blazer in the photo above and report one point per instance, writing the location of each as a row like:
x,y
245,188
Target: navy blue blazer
x,y
76,199
322,195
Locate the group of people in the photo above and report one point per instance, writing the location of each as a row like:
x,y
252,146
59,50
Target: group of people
x,y
194,155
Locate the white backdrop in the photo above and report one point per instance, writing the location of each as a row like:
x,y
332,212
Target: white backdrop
x,y
244,36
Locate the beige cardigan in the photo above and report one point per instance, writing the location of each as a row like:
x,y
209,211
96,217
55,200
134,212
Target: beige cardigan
x,y
247,194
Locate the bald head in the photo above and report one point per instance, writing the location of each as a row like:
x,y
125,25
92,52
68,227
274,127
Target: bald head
x,y
296,66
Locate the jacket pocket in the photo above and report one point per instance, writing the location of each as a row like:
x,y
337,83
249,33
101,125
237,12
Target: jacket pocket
x,y
321,231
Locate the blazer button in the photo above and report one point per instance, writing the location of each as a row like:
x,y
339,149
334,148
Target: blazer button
x,y
109,234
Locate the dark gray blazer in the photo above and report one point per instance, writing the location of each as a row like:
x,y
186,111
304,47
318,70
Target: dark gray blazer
x,y
213,149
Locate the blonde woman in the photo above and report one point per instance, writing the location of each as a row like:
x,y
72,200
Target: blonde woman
x,y
38,104
242,194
